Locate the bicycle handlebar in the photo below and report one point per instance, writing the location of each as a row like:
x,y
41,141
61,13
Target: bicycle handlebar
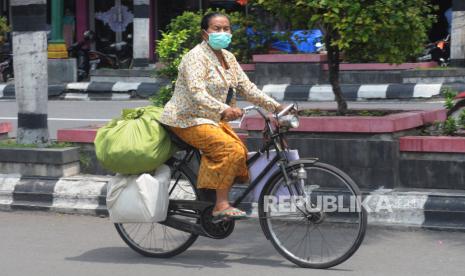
x,y
247,109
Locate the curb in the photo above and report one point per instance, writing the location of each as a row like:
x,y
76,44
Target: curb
x,y
93,90
86,194
285,92
282,92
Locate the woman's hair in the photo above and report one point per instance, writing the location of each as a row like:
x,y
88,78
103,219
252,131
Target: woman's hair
x,y
206,19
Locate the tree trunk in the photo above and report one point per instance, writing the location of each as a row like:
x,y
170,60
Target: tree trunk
x,y
30,67
333,66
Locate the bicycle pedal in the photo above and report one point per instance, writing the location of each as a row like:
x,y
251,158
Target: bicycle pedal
x,y
218,220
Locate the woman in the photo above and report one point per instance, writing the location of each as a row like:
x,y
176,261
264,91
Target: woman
x,y
198,111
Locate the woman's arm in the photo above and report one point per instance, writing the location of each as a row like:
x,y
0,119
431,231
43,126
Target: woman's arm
x,y
194,69
251,93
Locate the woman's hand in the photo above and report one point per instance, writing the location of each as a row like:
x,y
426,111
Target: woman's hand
x,y
279,108
231,114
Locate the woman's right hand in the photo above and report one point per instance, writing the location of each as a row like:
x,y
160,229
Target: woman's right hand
x,y
231,114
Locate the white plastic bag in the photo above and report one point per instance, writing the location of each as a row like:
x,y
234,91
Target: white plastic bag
x,y
139,199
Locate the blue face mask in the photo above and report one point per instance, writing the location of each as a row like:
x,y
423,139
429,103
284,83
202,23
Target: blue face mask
x,y
219,41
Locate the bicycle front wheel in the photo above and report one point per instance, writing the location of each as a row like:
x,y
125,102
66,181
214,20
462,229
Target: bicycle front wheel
x,y
157,240
318,220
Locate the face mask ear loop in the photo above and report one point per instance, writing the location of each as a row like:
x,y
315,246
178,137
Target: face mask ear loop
x,y
208,35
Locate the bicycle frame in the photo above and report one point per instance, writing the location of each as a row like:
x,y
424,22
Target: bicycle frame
x,y
276,141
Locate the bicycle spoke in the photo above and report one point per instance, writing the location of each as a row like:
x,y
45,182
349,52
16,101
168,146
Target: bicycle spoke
x,y
322,238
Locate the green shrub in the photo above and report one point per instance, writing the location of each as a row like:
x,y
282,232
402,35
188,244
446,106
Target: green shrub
x,y
450,126
163,96
171,48
4,27
449,95
462,119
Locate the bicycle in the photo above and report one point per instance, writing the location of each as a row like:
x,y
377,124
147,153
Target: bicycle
x,y
292,202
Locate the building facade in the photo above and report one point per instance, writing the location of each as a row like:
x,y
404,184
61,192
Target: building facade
x,y
117,20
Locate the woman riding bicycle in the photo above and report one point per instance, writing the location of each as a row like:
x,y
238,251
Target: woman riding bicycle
x,y
204,100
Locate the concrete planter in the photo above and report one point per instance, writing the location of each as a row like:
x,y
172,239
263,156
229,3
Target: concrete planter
x,y
357,124
383,66
449,75
367,148
372,150
435,162
248,66
40,162
125,75
311,69
301,69
289,58
442,144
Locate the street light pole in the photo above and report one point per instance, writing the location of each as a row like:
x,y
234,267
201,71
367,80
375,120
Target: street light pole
x,y
30,67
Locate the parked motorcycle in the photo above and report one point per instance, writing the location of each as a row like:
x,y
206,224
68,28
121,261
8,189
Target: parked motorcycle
x,y
81,51
6,67
438,51
116,56
121,53
6,60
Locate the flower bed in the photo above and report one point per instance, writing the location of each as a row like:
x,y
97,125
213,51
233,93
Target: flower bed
x,y
445,144
357,124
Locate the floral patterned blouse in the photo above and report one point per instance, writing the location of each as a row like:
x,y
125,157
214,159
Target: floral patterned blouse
x,y
202,87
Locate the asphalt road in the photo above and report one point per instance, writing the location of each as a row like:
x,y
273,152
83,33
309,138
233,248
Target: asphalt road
x,y
51,244
68,114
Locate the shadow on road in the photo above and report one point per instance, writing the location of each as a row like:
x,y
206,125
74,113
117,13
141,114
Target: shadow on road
x,y
190,259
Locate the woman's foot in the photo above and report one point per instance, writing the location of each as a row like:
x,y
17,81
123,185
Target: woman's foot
x,y
228,212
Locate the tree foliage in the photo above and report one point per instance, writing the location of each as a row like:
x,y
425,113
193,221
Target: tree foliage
x,y
4,27
374,30
363,30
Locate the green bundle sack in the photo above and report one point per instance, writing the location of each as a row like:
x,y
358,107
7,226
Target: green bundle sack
x,y
135,143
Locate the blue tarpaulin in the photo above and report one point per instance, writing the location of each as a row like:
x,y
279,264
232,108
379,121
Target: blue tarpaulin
x,y
304,41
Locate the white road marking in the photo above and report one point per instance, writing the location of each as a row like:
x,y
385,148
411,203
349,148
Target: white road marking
x,y
120,97
77,96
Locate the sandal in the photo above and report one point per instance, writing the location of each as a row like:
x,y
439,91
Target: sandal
x,y
231,213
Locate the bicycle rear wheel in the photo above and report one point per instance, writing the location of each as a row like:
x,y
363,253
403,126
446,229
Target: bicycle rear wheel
x,y
321,228
157,240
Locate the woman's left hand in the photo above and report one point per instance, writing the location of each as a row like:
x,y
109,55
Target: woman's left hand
x,y
279,108
231,114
